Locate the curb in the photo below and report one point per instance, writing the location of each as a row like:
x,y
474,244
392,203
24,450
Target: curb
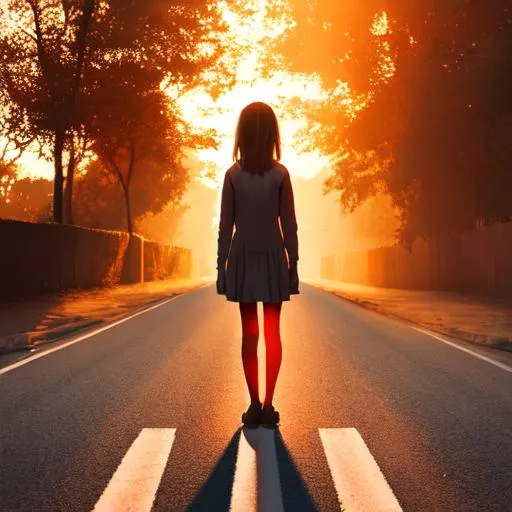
x,y
27,340
34,339
498,343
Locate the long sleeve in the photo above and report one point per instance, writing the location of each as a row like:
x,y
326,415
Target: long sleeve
x,y
227,221
288,219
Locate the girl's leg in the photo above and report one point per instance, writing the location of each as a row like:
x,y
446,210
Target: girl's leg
x,y
272,314
250,335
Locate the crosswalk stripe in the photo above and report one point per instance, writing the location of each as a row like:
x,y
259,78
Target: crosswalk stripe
x,y
256,484
244,491
270,495
133,486
359,482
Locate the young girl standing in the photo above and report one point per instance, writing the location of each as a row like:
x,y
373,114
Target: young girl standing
x,y
259,262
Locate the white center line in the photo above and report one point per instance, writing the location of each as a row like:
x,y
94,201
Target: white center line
x,y
489,360
359,482
134,485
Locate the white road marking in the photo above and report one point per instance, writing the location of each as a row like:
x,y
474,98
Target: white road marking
x,y
256,485
244,491
489,360
359,482
39,355
134,485
270,498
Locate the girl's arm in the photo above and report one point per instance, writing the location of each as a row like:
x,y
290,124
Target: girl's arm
x,y
227,221
288,219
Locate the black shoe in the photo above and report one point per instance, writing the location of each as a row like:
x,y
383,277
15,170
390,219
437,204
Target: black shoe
x,y
269,416
251,418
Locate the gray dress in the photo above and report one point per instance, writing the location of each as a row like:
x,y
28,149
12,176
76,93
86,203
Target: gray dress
x,y
252,263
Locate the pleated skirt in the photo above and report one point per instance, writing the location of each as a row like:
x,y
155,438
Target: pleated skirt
x,y
257,273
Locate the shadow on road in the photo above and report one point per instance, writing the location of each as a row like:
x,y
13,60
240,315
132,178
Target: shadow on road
x,y
215,493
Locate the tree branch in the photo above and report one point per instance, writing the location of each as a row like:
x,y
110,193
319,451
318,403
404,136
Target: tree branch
x,y
27,33
110,160
132,163
19,146
41,52
81,42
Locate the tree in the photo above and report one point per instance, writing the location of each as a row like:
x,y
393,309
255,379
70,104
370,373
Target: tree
x,y
134,130
45,48
99,199
7,179
56,54
333,39
446,175
435,134
138,136
26,200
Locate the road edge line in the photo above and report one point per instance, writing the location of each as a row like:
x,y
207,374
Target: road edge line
x,y
372,307
489,360
85,336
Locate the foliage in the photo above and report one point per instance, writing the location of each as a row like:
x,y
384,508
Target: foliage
x,y
7,174
26,200
333,39
436,133
58,55
100,201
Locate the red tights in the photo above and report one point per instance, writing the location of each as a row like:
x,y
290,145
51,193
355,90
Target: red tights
x,y
273,349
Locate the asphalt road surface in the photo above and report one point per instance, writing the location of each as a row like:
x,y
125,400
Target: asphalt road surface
x,y
145,415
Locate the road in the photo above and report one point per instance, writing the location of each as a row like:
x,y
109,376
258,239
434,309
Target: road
x,y
373,413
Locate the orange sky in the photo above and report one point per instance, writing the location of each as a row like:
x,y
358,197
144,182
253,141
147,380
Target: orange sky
x,y
253,38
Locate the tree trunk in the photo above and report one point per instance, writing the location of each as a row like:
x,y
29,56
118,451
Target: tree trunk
x,y
58,183
81,42
126,190
68,192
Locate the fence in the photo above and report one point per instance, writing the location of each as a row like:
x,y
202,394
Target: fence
x,y
478,261
38,258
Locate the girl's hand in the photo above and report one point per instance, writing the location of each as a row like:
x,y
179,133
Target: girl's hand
x,y
221,282
294,278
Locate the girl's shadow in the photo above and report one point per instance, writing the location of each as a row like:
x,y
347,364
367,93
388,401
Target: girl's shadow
x,y
215,493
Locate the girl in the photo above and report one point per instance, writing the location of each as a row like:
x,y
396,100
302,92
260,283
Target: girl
x,y
259,262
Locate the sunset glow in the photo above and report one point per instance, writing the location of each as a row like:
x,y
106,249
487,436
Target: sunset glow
x,y
249,42
254,27
261,76
253,31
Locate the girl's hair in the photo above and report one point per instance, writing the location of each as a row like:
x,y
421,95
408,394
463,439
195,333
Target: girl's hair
x,y
257,139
